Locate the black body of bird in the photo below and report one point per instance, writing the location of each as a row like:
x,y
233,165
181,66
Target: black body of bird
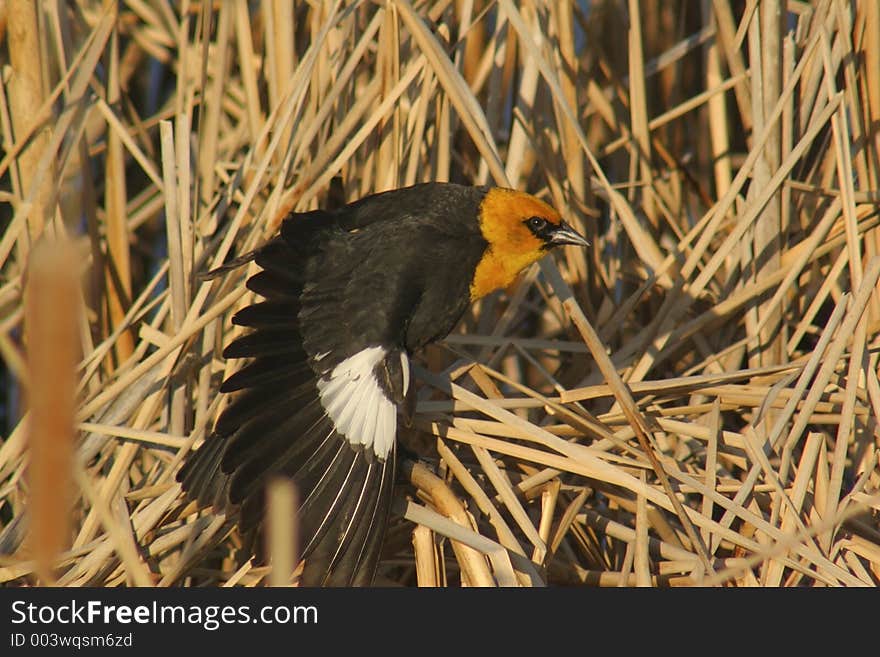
x,y
348,296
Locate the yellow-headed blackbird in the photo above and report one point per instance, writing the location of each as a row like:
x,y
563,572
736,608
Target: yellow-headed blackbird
x,y
349,296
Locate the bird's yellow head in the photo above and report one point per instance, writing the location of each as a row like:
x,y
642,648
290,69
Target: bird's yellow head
x,y
519,229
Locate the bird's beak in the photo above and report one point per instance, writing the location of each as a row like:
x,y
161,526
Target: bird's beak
x,y
565,234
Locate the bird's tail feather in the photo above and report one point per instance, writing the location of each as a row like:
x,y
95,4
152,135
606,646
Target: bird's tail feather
x,y
345,498
349,550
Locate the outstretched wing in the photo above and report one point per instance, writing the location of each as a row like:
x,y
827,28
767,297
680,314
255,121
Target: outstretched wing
x,y
317,402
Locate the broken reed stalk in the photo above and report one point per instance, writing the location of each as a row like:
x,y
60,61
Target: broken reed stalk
x,y
26,95
474,567
51,325
425,556
281,526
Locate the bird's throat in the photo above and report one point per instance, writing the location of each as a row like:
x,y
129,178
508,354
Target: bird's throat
x,y
494,272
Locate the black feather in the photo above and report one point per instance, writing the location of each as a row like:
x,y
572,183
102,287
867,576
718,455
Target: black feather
x,y
264,371
268,342
268,314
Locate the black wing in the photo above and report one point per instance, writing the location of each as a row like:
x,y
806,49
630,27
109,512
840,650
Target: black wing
x,y
278,422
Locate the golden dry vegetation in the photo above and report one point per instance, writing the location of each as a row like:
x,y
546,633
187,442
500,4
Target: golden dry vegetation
x,y
693,401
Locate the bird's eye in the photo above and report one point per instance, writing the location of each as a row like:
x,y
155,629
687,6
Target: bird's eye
x,y
537,223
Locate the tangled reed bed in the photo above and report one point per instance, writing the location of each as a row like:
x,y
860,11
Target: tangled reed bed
x,y
692,402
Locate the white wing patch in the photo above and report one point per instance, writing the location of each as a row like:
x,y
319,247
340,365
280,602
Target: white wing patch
x,y
357,405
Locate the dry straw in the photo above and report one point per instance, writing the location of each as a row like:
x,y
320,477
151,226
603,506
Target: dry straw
x,y
693,401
